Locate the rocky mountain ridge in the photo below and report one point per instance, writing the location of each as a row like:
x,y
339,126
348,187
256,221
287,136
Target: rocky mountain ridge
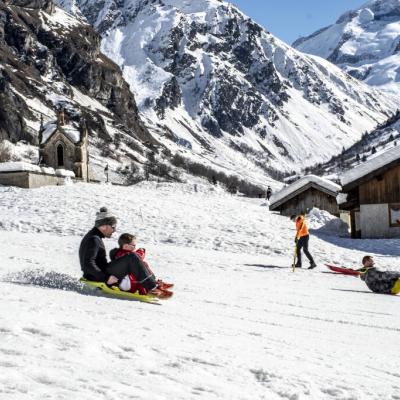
x,y
50,60
216,87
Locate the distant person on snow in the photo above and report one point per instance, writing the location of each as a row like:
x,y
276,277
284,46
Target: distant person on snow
x,y
127,245
93,259
269,192
302,238
385,282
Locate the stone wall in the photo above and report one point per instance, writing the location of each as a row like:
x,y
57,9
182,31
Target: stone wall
x,y
29,179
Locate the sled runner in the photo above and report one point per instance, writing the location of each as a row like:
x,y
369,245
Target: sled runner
x,y
343,270
115,291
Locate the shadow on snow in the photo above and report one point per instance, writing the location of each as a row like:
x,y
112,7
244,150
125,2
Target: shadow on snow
x,y
266,266
385,247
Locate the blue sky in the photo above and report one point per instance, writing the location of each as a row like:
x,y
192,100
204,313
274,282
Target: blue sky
x,y
290,19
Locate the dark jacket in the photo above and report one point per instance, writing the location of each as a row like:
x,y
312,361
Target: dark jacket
x,y
379,281
92,256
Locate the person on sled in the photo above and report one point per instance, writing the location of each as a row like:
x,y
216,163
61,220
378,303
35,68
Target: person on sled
x,y
385,282
127,245
93,258
302,238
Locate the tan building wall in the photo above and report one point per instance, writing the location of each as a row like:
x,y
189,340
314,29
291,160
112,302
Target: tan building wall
x,y
374,222
29,179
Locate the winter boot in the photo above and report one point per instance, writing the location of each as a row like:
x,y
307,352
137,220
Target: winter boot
x,y
164,285
312,265
160,294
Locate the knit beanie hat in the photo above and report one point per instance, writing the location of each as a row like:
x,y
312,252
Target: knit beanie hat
x,y
105,217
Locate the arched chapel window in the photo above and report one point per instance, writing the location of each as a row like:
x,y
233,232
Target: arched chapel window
x,y
60,156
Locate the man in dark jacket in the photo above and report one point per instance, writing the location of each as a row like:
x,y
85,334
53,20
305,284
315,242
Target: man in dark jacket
x,y
269,193
93,258
386,282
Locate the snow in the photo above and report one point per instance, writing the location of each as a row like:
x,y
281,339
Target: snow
x,y
363,41
380,160
325,222
59,19
70,131
341,198
301,183
48,170
366,15
241,325
136,35
16,166
65,172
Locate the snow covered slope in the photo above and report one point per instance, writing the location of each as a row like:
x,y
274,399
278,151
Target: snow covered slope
x,y
240,326
364,42
214,84
385,137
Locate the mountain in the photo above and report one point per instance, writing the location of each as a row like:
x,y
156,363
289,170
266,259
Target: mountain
x,y
371,144
48,59
217,88
364,42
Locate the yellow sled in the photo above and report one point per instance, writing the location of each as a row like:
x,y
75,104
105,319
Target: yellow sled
x,y
396,287
115,291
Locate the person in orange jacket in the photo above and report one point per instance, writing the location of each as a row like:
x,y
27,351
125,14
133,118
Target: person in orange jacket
x,y
301,240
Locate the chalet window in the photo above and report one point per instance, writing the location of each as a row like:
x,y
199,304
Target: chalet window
x,y
394,215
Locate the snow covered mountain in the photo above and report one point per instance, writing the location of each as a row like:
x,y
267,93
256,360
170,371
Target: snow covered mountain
x,y
215,86
364,42
48,59
372,144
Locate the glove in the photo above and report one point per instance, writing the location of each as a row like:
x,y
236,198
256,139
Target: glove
x,y
296,240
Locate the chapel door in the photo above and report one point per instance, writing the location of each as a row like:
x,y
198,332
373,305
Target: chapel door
x,y
60,156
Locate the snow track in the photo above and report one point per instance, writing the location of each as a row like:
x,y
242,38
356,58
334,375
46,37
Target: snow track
x,y
240,326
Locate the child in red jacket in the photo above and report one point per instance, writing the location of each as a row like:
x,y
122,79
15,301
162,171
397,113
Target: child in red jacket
x,y
127,245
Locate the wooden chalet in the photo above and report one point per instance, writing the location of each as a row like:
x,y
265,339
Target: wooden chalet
x,y
304,194
371,193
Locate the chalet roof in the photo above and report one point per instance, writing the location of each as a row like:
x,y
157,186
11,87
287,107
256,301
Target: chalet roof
x,y
301,185
69,130
376,166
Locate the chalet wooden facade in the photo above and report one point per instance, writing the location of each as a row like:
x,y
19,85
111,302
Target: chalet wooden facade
x,y
372,196
304,194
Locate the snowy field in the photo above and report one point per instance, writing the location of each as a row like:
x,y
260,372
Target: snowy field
x,y
240,326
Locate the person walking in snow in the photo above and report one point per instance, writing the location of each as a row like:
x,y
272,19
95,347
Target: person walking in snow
x,y
93,258
385,282
127,245
269,192
302,238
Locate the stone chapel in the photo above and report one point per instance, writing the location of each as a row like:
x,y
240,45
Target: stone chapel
x,y
64,146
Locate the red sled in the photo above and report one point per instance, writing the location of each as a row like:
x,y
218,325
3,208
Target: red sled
x,y
343,270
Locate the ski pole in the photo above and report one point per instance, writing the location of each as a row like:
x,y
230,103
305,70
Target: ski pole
x,y
294,258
